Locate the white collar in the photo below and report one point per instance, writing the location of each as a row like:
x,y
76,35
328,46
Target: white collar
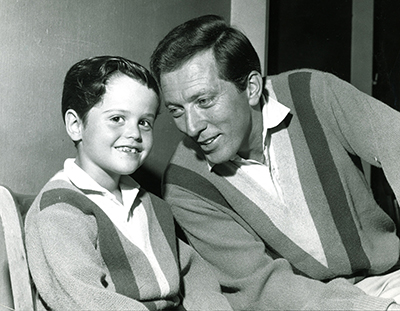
x,y
83,181
273,111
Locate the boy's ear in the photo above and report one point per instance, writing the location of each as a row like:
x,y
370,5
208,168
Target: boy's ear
x,y
73,125
254,88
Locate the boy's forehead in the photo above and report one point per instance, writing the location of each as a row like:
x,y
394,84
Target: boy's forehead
x,y
125,91
120,79
125,85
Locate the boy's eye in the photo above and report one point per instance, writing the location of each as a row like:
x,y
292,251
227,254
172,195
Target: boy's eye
x,y
117,119
146,124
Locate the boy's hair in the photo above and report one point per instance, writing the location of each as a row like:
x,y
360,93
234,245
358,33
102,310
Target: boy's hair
x,y
234,54
85,82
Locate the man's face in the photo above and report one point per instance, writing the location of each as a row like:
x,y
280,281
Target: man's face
x,y
208,109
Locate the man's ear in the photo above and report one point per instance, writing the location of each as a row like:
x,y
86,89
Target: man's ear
x,y
254,88
73,125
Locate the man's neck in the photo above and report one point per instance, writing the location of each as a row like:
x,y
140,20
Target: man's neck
x,y
254,148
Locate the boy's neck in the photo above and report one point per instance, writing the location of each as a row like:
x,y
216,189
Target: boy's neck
x,y
113,186
107,181
118,194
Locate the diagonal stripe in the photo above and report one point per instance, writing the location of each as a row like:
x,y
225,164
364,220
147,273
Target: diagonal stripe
x,y
326,169
277,222
166,221
250,217
194,182
110,245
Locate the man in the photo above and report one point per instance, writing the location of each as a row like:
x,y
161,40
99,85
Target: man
x,y
266,184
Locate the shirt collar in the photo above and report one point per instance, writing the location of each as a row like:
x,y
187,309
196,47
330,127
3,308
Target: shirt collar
x,y
273,114
84,182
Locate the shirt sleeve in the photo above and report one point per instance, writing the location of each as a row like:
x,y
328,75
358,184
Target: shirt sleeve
x,y
366,126
200,285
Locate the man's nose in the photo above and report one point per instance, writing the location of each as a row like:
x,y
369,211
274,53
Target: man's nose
x,y
195,122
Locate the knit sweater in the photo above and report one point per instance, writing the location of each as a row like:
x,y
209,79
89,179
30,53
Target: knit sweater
x,y
79,260
260,266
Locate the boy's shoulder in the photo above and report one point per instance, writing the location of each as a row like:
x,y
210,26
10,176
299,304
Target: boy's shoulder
x,y
56,190
56,196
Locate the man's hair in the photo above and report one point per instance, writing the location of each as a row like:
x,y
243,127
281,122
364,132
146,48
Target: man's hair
x,y
234,54
85,82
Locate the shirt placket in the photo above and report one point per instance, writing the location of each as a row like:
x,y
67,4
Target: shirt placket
x,y
269,163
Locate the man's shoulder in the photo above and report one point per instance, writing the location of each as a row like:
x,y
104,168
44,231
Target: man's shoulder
x,y
187,162
301,80
297,72
187,152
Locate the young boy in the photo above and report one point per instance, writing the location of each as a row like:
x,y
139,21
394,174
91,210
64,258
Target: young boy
x,y
95,240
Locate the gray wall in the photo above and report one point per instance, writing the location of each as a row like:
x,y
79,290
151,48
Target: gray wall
x,y
40,40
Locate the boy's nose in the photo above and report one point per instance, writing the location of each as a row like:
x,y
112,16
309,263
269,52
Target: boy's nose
x,y
134,132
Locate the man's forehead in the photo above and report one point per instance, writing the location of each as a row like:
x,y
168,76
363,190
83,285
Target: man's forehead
x,y
187,79
183,79
202,62
175,92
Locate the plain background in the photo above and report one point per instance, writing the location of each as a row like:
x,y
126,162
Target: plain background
x,y
42,39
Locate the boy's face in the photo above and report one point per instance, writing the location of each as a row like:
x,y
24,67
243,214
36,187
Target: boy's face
x,y
118,134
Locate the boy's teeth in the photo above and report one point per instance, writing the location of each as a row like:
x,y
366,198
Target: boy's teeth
x,y
127,149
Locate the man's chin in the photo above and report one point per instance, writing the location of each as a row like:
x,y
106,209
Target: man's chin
x,y
215,158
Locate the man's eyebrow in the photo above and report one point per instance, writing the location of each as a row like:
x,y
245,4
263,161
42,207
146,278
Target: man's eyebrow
x,y
202,92
168,103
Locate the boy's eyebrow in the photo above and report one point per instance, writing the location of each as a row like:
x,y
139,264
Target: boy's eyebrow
x,y
115,110
149,114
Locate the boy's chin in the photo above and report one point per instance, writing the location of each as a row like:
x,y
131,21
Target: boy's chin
x,y
129,171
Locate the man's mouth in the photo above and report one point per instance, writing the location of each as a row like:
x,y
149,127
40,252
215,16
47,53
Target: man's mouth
x,y
128,149
208,141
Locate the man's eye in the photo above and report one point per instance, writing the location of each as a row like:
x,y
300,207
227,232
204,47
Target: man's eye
x,y
204,102
175,111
